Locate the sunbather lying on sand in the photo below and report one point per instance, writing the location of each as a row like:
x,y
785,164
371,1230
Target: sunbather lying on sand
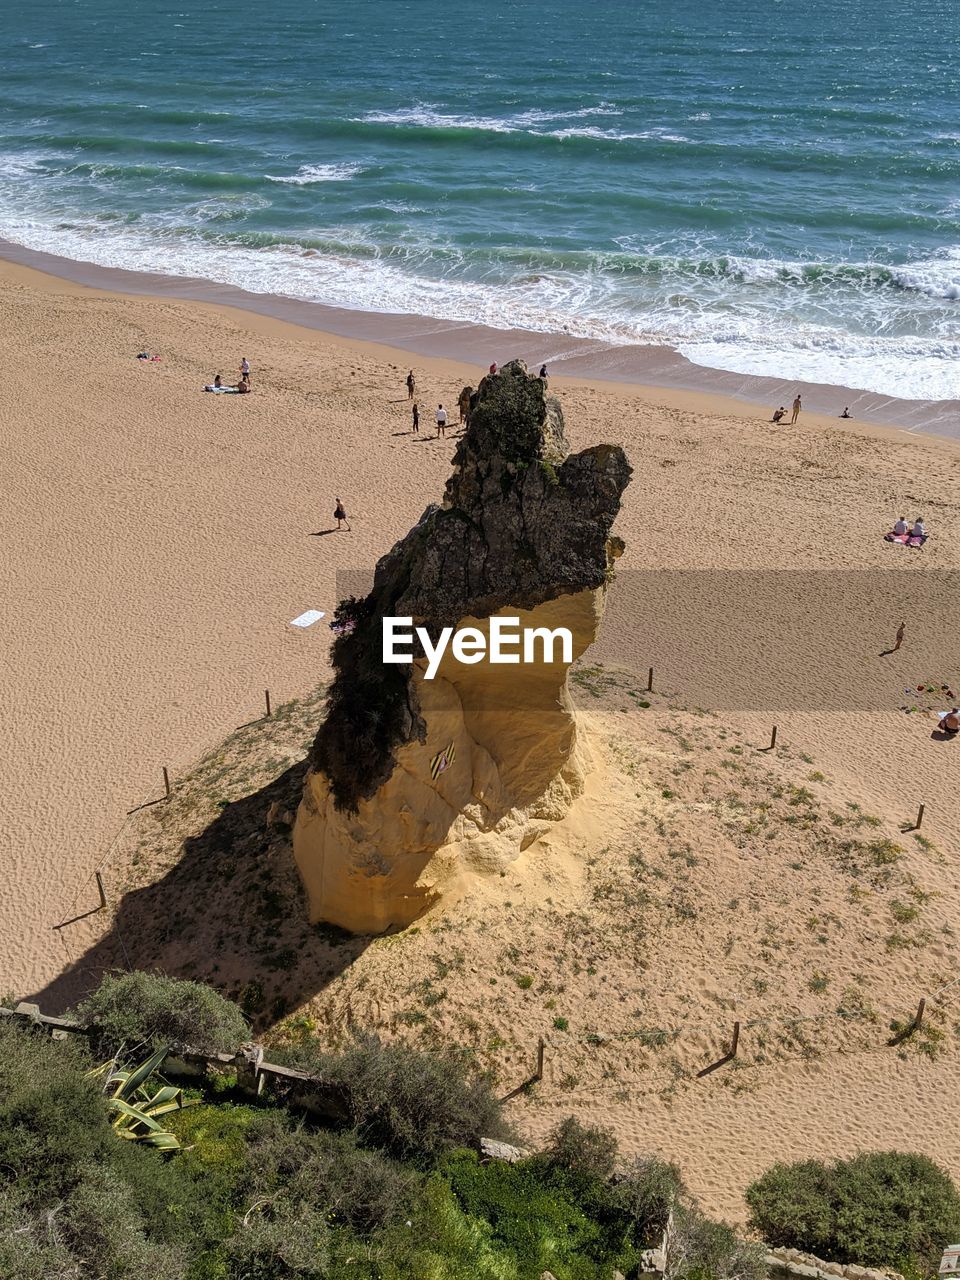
x,y
241,389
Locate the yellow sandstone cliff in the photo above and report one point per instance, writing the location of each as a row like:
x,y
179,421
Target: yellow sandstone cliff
x,y
419,783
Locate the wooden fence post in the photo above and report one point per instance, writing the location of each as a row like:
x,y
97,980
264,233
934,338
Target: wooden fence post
x,y
266,694
166,782
773,738
540,1047
650,680
727,1057
103,896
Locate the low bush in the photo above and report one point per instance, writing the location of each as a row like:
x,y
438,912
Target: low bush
x,y
645,1192
362,1188
578,1147
28,1250
109,1234
701,1249
881,1209
533,1216
134,1012
412,1104
52,1119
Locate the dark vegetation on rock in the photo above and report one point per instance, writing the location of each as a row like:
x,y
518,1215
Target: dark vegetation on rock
x,y
522,522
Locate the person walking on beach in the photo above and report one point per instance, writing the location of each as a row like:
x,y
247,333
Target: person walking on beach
x,y
796,408
411,385
900,631
416,418
441,420
340,515
244,370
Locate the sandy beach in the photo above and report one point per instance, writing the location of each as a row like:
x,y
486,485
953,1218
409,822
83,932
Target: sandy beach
x,y
158,541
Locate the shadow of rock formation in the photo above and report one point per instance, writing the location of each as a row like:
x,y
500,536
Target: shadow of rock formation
x,y
229,912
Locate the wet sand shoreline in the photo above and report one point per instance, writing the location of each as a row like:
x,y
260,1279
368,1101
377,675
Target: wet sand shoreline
x,y
566,356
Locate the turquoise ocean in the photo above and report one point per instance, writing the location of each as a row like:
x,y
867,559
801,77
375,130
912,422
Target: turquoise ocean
x,y
766,187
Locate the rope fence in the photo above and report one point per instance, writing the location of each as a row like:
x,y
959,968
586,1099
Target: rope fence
x,y
159,793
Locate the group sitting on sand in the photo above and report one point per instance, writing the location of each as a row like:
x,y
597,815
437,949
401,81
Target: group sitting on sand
x,y
906,535
241,388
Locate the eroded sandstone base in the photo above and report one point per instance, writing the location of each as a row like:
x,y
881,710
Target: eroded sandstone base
x,y
519,761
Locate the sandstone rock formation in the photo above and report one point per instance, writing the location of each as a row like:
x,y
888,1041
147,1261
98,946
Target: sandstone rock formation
x,y
523,531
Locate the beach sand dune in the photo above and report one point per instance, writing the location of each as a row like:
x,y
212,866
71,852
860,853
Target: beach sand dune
x,y
157,541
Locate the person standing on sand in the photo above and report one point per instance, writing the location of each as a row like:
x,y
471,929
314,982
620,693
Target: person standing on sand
x,y
340,515
542,375
411,385
900,631
416,418
493,368
244,370
441,420
796,408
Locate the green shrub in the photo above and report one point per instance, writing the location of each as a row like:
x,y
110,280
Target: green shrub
x,y
361,1188
645,1192
275,1240
881,1209
700,1249
410,1103
108,1232
530,1216
142,1011
572,1145
28,1251
52,1119
442,1242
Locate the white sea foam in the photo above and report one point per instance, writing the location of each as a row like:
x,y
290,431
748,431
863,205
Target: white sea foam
x,y
703,316
23,166
427,116
877,367
617,135
308,174
936,277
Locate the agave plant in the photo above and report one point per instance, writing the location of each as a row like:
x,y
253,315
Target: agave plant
x,y
135,1107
